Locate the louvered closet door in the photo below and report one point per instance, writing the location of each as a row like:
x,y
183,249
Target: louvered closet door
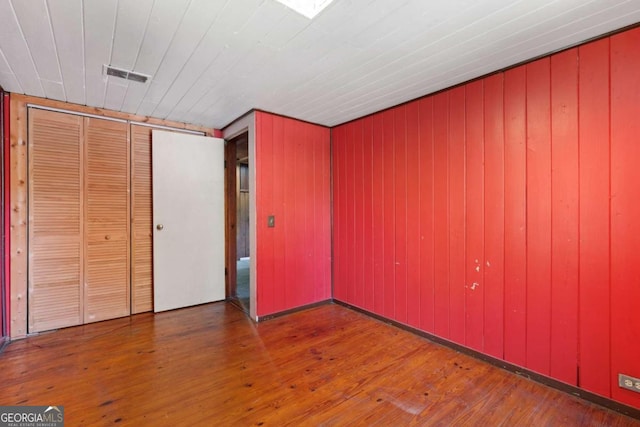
x,y
142,244
55,220
107,291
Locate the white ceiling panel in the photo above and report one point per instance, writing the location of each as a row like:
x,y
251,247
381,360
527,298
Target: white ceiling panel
x,y
67,23
99,26
36,28
213,60
200,16
16,51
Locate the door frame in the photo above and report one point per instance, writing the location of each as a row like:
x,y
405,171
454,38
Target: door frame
x,y
245,124
4,198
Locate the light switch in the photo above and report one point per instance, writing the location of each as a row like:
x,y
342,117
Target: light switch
x,y
271,221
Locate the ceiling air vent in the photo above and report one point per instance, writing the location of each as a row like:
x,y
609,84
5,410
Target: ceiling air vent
x,y
125,74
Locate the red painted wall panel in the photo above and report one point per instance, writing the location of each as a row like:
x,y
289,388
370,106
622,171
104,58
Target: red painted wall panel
x,y
413,214
377,206
474,285
515,216
494,216
564,216
504,214
625,211
389,291
426,218
441,213
456,213
400,213
367,215
292,183
538,216
594,257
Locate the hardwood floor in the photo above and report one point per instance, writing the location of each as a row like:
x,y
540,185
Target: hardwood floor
x,y
210,365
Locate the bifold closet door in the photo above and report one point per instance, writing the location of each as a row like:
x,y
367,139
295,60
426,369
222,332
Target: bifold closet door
x,y
107,289
55,220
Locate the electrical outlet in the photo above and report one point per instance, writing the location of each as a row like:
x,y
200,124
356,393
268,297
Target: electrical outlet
x,y
630,383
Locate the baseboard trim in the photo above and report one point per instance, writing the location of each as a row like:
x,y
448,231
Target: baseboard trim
x,y
518,370
293,310
4,342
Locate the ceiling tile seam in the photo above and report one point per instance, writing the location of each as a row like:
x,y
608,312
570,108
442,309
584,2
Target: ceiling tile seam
x,y
365,65
417,64
470,79
204,36
13,73
84,57
15,17
164,55
135,61
207,69
55,49
113,38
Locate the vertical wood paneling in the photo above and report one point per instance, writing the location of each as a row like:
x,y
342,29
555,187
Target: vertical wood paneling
x,y
474,217
289,213
18,251
413,214
564,217
378,212
400,213
349,214
426,219
494,217
525,192
389,211
625,211
515,216
338,190
292,183
594,314
441,213
367,219
264,263
278,199
456,227
538,216
357,169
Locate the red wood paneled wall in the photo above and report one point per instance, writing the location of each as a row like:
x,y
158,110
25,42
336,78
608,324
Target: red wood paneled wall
x,y
504,215
293,184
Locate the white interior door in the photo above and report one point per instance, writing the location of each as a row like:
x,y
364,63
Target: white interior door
x,y
188,218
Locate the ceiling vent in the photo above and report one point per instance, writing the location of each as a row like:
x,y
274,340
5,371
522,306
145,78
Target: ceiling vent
x,y
125,74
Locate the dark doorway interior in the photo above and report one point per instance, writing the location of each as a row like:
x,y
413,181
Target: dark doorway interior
x,y
238,242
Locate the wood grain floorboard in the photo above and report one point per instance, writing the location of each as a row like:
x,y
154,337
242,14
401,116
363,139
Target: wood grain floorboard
x,y
326,366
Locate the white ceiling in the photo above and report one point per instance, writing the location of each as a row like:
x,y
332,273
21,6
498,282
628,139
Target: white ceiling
x,y
213,60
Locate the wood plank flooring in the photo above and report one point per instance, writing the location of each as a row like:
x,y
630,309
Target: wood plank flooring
x,y
210,365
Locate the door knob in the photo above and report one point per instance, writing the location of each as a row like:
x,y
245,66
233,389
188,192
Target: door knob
x,y
159,226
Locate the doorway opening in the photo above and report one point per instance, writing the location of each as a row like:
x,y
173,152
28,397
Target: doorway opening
x,y
238,241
